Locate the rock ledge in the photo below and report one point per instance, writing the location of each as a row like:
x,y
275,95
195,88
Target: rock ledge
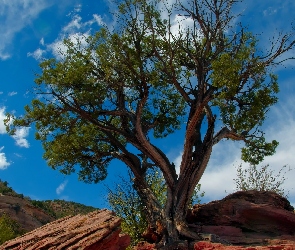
x,y
96,230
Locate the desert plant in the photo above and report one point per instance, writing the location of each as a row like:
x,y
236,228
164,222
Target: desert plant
x,y
261,178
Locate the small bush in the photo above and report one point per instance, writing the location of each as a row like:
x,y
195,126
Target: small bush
x,y
261,179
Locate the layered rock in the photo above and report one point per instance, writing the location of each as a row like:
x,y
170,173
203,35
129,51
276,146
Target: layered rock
x,y
96,230
245,218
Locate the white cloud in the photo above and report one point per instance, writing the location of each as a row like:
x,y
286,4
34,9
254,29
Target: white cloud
x,y
2,117
37,54
177,162
74,25
99,20
217,179
3,161
20,135
58,48
78,8
181,24
61,187
42,41
76,30
12,93
16,15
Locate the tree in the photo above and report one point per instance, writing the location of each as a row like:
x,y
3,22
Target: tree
x,y
106,99
261,179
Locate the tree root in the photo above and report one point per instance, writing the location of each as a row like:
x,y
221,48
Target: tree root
x,y
185,231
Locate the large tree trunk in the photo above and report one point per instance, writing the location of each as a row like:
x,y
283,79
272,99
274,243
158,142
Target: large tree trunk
x,y
171,221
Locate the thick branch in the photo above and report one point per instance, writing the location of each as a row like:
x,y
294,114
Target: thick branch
x,y
190,131
149,149
226,133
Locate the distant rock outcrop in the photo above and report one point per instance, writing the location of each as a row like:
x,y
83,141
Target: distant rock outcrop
x,y
23,212
96,230
31,214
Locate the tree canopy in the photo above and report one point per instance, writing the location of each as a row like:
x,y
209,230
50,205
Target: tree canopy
x,y
106,99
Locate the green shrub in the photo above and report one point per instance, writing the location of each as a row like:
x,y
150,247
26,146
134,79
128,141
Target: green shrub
x,y
9,229
127,204
261,179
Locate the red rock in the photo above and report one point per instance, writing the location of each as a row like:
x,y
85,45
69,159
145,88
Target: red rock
x,y
246,218
143,245
151,235
205,245
96,230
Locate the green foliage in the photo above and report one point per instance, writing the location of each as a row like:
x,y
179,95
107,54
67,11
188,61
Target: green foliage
x,y
261,179
242,106
61,208
197,196
9,229
6,190
128,205
44,206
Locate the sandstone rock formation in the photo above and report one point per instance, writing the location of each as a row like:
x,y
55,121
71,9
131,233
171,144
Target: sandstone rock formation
x,y
246,218
243,219
96,230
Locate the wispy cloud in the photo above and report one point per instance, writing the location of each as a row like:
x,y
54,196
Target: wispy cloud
x,y
61,187
15,15
2,117
74,25
20,137
42,41
3,161
77,31
37,54
12,93
99,20
20,133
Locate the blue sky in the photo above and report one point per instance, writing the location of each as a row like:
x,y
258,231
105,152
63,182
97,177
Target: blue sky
x,y
31,30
